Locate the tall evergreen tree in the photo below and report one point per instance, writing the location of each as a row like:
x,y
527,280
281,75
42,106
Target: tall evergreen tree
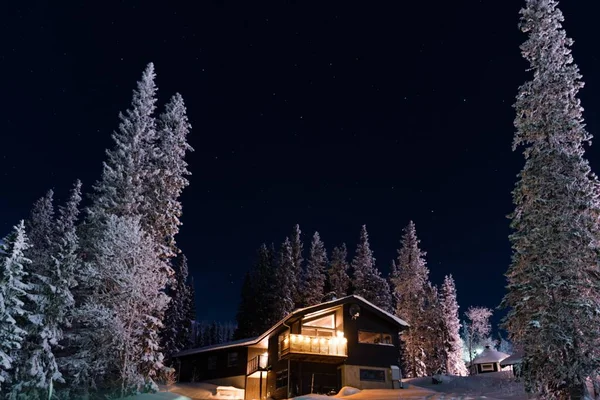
x,y
553,280
367,280
13,291
258,310
298,265
284,302
46,303
411,281
247,324
129,294
128,168
177,332
313,283
433,333
339,281
163,208
453,344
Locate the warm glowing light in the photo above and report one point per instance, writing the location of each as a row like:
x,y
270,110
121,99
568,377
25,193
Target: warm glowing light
x,y
322,341
340,334
335,340
306,339
344,340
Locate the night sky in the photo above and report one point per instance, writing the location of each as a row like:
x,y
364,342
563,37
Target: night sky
x,y
330,114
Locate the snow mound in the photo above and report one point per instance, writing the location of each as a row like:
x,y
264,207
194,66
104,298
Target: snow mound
x,y
347,391
158,396
207,391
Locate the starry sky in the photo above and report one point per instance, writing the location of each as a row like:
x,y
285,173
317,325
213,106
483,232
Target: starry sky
x,y
327,114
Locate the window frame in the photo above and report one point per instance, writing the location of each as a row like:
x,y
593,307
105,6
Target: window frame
x,y
236,359
211,362
382,335
371,370
281,379
487,367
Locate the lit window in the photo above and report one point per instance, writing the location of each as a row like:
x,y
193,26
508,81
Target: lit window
x,y
375,338
487,367
232,359
327,322
212,362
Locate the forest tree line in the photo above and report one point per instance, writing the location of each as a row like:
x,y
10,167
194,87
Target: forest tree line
x,y
286,278
93,296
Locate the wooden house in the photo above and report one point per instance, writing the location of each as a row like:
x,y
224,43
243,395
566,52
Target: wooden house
x,y
317,349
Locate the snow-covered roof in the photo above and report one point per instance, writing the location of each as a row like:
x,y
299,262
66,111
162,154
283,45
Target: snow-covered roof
x,y
300,311
235,343
516,358
489,355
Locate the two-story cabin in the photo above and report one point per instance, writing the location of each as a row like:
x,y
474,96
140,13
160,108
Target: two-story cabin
x,y
317,349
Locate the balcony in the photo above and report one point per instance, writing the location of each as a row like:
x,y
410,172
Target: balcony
x,y
305,347
258,363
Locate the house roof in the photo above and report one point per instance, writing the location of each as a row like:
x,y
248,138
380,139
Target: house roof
x,y
489,355
516,358
235,343
294,314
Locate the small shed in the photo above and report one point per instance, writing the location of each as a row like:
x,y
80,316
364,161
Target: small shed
x,y
514,363
488,361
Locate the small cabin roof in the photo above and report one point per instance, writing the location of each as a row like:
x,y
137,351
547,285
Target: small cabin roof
x,y
516,358
489,355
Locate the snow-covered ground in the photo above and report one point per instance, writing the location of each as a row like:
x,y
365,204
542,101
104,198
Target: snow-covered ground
x,y
494,385
205,391
497,385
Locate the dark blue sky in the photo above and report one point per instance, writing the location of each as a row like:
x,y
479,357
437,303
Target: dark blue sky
x,y
327,114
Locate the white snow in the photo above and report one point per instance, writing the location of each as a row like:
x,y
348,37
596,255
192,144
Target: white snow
x,y
158,396
204,391
492,386
490,356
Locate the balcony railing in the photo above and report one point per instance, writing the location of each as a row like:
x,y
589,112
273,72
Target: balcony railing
x,y
305,344
258,363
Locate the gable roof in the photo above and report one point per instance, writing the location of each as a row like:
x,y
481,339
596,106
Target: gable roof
x,y
297,314
489,355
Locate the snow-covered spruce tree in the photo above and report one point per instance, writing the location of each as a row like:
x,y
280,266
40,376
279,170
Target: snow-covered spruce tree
x,y
298,263
258,310
434,333
191,316
453,344
313,282
339,281
129,165
13,290
176,335
479,329
36,369
247,325
65,268
284,302
553,284
129,294
367,280
410,283
162,209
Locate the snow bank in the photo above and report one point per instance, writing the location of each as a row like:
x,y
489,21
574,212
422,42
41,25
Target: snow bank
x,y
347,391
158,396
207,391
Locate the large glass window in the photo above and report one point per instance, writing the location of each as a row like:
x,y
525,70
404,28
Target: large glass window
x,y
376,375
320,326
375,338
